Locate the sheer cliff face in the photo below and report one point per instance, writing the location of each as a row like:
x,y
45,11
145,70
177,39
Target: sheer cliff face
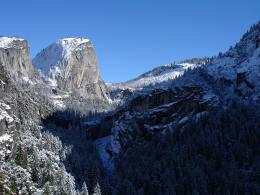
x,y
15,57
71,65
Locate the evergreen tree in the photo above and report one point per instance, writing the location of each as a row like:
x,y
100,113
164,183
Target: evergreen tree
x,y
46,189
2,188
84,189
13,186
97,190
21,157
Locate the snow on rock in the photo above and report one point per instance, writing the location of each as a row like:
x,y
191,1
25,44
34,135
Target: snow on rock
x,y
5,137
28,80
59,104
5,106
6,116
6,141
59,100
49,61
70,64
9,42
15,58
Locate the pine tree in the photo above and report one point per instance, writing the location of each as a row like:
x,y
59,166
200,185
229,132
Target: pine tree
x,y
84,189
2,189
46,190
97,190
66,183
13,186
21,157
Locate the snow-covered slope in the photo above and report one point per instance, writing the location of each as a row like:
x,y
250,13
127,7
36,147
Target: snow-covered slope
x,y
160,74
159,77
240,65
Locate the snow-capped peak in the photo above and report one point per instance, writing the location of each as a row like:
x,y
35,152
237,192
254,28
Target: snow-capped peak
x,y
7,42
70,64
49,61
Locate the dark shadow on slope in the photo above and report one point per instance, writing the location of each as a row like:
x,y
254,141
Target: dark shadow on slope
x,y
83,161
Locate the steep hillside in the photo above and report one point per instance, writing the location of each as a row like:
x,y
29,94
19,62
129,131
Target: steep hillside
x,y
158,77
163,73
240,66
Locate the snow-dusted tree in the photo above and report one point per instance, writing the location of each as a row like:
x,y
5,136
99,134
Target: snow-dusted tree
x,y
21,157
84,189
2,188
66,184
46,189
97,190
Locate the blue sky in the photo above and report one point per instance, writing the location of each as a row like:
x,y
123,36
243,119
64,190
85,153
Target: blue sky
x,y
132,36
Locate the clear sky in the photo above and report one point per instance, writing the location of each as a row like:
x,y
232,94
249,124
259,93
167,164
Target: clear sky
x,y
132,36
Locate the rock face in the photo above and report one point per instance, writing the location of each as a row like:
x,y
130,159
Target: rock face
x,y
15,57
148,115
70,64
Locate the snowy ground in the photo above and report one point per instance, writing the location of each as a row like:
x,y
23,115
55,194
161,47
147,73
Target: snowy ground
x,y
157,75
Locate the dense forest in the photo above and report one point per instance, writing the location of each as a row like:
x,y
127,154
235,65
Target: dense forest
x,y
218,154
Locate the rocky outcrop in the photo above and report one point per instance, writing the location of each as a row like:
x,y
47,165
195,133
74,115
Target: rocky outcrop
x,y
70,64
15,58
151,114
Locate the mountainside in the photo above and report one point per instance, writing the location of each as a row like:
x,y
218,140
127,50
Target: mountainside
x,y
70,64
240,66
234,74
186,128
226,83
161,76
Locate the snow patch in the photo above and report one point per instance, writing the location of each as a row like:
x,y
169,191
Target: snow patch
x,y
27,80
59,104
5,115
5,137
5,106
